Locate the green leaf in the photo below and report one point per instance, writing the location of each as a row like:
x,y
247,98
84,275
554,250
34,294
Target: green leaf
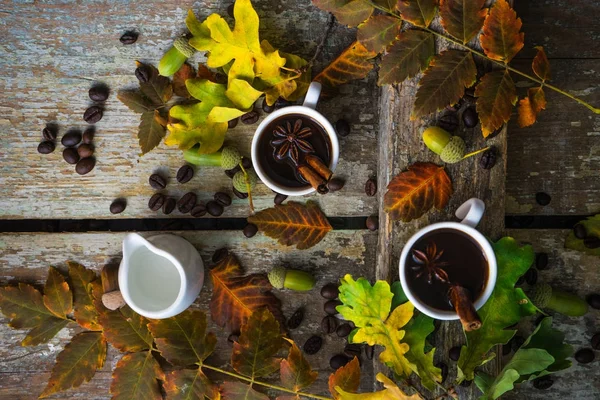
x,y
417,331
399,295
409,55
418,12
126,330
347,12
188,384
136,377
242,94
135,100
150,132
496,95
378,32
463,19
592,228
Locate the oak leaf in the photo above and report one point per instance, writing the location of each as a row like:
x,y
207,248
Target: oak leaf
x,y
183,74
205,73
540,64
125,329
530,106
295,371
417,331
303,225
592,228
346,378
353,63
235,297
233,390
83,282
463,19
418,12
286,87
444,82
413,192
347,12
391,391
136,377
409,55
378,32
77,363
496,95
501,39
188,384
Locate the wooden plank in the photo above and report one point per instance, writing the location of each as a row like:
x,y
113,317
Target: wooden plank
x,y
24,370
52,55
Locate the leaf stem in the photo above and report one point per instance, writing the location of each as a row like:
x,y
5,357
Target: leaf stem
x,y
247,179
475,152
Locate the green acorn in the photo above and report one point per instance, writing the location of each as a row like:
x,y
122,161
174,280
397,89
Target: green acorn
x,y
175,57
291,279
543,296
239,181
450,148
227,158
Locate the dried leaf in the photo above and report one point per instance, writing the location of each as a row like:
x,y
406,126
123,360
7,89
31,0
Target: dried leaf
x,y
126,330
501,39
150,132
77,363
346,378
136,377
303,225
205,73
378,32
135,100
463,19
413,192
530,106
240,391
188,384
444,82
347,12
83,281
235,297
158,88
409,55
57,295
391,392
182,340
352,64
418,12
184,73
496,95
540,64
291,90
295,370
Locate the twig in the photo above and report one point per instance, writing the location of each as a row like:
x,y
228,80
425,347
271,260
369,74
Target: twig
x,y
321,45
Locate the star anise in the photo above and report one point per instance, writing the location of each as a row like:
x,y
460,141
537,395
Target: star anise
x,y
429,263
291,140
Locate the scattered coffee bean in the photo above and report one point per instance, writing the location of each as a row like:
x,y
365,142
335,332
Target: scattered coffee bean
x,y
230,10
330,306
249,118
46,147
531,276
470,117
281,103
506,348
85,165
338,361
594,301
186,203
233,337
129,37
541,261
342,127
329,324
246,163
88,135
353,350
143,74
93,114
250,230
156,201
372,223
70,155
343,330
199,210
466,383
118,206
596,341
185,174
371,187
448,121
223,198
231,172
267,108
239,194
313,345
330,291
591,242
279,198
98,93
232,123
370,352
543,199
157,181
215,209
85,150
169,206
517,342
579,231
220,255
296,319
488,158
71,138
443,370
335,184
49,133
454,353
543,382
584,356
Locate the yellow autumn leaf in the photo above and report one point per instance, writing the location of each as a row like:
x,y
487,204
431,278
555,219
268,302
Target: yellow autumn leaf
x,y
391,392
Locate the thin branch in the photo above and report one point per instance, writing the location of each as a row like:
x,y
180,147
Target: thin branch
x,y
321,45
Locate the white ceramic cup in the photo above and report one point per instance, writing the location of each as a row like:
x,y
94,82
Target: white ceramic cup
x,y
470,212
307,109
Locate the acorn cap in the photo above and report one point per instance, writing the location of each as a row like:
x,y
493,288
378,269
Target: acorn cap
x,y
239,182
277,277
182,44
541,294
230,157
454,150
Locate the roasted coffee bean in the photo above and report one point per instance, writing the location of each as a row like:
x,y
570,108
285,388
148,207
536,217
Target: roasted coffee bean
x,y
370,352
169,206
223,198
85,165
343,330
220,255
157,181
330,291
118,206
296,319
466,383
230,10
267,108
129,37
215,209
71,138
233,337
454,353
93,114
232,123
49,133
231,172
246,163
199,210
470,117
591,242
250,230
143,74
353,350
313,345
371,187
342,127
448,121
185,174
249,118
329,324
372,223
281,103
543,383
186,202
506,349
443,370
239,194
594,301
338,361
156,201
543,199
85,150
70,155
488,158
98,93
517,342
596,341
329,306
531,276
46,147
541,261
88,135
579,231
335,184
279,198
585,356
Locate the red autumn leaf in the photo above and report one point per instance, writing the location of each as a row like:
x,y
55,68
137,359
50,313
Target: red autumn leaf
x,y
293,224
240,391
540,64
409,55
413,192
295,371
183,74
501,39
57,295
530,106
136,377
496,95
463,19
347,12
125,329
378,32
188,384
205,73
83,283
346,378
418,12
353,63
235,296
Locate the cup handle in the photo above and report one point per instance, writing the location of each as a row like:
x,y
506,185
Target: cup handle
x,y
471,212
312,95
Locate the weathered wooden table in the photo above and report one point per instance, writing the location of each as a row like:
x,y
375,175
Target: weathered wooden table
x,y
52,53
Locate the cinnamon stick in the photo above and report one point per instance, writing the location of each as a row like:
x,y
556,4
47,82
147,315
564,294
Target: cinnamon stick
x,y
461,300
312,177
317,165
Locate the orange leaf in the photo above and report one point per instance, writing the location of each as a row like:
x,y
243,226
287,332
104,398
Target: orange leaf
x,y
293,224
83,282
184,73
126,330
205,73
346,378
409,55
530,106
378,32
501,39
496,95
413,192
187,384
235,297
57,295
540,64
136,377
418,12
352,64
295,370
463,19
347,12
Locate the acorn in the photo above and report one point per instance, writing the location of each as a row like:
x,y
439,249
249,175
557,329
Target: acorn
x,y
175,57
450,148
543,296
291,279
227,158
239,181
